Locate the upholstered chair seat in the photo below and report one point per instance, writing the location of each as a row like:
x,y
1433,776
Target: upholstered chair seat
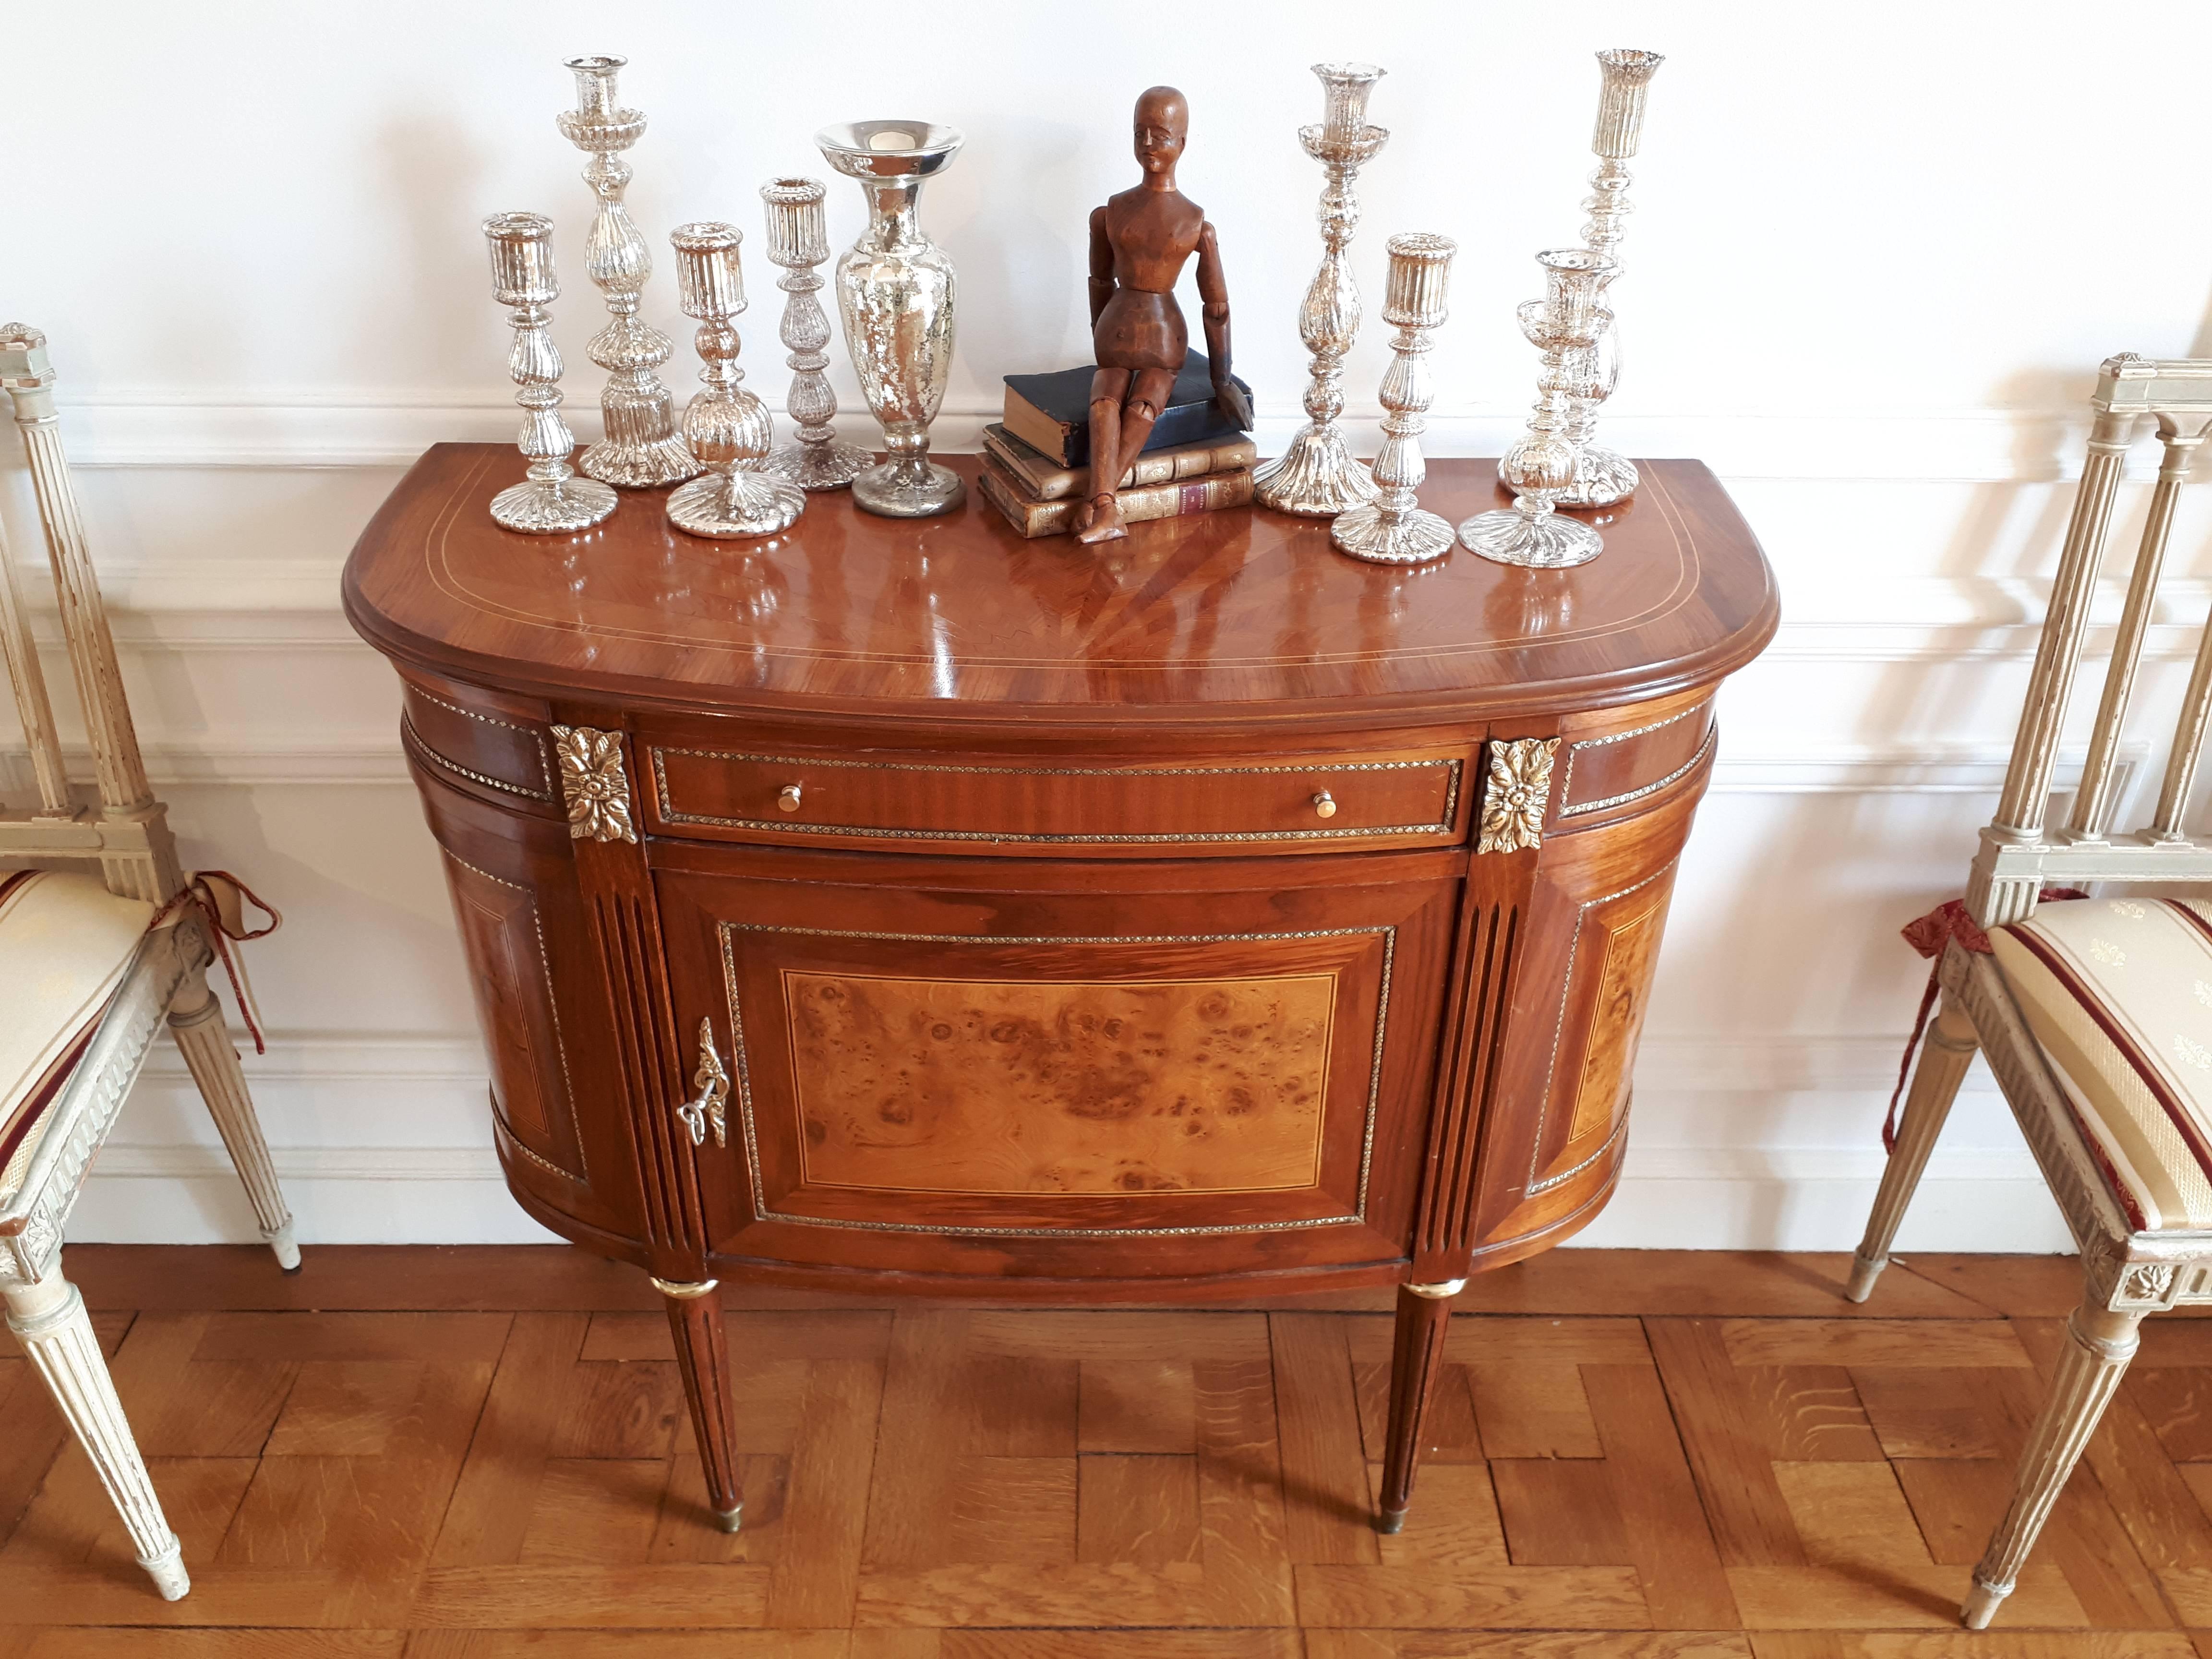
x,y
2117,994
65,946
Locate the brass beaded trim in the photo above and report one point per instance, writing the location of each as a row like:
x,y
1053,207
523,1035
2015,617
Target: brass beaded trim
x,y
725,930
669,815
1567,807
537,740
1681,772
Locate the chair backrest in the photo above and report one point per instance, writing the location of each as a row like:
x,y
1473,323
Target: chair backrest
x,y
2018,856
129,837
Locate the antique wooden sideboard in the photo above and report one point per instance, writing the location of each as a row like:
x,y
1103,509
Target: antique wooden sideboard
x,y
902,905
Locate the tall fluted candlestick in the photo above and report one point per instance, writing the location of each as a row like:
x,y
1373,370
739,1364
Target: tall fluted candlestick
x,y
641,447
1316,474
553,500
1603,478
798,240
1539,468
1392,529
728,426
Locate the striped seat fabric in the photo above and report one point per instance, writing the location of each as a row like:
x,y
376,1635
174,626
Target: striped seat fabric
x,y
66,943
2119,995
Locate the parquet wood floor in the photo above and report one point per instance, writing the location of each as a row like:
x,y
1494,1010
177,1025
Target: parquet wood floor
x,y
473,1453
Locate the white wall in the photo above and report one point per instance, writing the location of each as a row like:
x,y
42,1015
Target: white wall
x,y
1877,256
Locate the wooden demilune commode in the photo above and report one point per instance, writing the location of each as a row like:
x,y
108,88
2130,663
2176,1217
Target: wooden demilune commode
x,y
903,905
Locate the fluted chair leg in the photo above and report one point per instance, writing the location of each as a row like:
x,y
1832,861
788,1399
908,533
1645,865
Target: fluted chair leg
x,y
196,1020
1944,1057
48,1318
2098,1346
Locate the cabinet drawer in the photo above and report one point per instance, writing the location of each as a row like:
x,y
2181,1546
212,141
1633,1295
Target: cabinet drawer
x,y
1316,803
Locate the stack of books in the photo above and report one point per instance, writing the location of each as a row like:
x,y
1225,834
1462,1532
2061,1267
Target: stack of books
x,y
1036,461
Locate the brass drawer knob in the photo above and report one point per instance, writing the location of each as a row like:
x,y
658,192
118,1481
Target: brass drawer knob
x,y
1324,804
786,798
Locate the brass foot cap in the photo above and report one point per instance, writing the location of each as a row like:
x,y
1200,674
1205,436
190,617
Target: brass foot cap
x,y
1982,1603
730,1520
1863,1274
1390,1522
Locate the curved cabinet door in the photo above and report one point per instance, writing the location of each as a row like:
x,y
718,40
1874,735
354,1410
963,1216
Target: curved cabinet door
x,y
1064,1071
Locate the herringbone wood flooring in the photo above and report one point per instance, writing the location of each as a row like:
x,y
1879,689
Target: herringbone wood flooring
x,y
1635,1455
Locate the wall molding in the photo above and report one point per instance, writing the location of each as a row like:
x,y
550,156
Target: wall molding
x,y
366,429
1982,1189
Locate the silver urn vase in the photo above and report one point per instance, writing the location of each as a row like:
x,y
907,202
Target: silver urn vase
x,y
895,292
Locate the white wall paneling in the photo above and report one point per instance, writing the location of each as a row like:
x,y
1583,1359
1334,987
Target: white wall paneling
x,y
1878,331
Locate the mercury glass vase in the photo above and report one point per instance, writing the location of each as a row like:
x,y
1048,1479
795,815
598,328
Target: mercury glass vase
x,y
1539,468
895,294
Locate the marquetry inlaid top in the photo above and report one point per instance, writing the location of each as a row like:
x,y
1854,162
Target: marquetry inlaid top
x,y
1235,615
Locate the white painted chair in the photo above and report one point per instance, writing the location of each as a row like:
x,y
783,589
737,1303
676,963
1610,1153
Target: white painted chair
x,y
89,964
2095,1013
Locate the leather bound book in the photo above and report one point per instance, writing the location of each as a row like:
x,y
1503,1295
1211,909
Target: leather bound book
x,y
1031,518
1048,481
1051,413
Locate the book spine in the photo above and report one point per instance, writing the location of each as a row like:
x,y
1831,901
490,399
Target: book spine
x,y
1162,500
1159,466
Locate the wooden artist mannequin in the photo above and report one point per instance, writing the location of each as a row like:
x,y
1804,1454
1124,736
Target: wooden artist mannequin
x,y
1139,241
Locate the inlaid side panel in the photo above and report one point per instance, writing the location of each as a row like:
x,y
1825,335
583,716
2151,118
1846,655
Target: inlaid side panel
x,y
1623,984
499,930
1075,1086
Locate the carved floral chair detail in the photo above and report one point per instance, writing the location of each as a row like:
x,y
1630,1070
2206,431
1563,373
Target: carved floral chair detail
x,y
90,962
2095,1013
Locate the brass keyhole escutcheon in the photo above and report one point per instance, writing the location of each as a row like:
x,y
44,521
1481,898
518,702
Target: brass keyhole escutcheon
x,y
1324,804
786,798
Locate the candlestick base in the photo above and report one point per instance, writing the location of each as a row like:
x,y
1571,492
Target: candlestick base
x,y
819,466
1412,538
742,504
538,508
908,488
1546,542
1315,477
1603,478
645,465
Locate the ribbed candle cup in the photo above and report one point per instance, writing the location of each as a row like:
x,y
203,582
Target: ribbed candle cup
x,y
798,225
521,245
1345,89
710,282
1393,529
551,499
726,425
1626,74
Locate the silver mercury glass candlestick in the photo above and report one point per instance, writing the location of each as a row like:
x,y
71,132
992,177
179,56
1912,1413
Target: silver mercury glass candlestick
x,y
728,426
1392,529
641,447
553,500
1603,478
1316,474
1540,467
798,240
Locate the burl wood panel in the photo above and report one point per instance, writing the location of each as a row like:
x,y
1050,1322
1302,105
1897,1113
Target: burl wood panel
x,y
1061,1086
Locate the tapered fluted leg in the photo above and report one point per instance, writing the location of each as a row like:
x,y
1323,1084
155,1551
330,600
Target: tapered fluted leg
x,y
1944,1057
1417,1354
48,1318
196,1020
2098,1346
694,1314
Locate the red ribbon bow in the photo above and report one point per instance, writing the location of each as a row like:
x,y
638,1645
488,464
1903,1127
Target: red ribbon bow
x,y
221,899
1928,935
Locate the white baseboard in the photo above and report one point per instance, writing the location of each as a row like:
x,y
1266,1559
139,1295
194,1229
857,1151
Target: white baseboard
x,y
435,1180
